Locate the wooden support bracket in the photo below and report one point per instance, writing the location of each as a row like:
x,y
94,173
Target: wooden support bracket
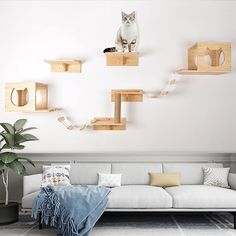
x,y
128,95
122,58
73,66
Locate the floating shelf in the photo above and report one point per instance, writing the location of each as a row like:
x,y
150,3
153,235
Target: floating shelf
x,y
105,123
27,97
128,95
71,66
122,58
198,72
197,61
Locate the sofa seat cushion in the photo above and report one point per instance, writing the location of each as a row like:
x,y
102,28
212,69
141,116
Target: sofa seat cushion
x,y
139,196
27,200
202,196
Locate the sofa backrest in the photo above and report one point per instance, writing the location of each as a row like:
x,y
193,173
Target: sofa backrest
x,y
135,173
87,173
190,173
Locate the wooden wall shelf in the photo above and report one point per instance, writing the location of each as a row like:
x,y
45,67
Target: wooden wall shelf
x,y
106,123
27,97
122,58
71,66
198,72
197,63
128,95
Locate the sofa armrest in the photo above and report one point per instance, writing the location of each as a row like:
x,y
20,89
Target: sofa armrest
x,y
232,181
31,183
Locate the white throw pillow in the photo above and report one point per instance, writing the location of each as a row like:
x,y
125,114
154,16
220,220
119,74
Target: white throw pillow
x,y
109,180
55,175
216,177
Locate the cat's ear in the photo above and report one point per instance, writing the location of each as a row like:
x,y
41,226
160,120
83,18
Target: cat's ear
x,y
123,14
133,14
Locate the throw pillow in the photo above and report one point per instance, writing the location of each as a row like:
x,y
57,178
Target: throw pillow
x,y
216,177
164,179
55,175
109,180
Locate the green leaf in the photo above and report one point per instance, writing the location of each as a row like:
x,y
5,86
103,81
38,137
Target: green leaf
x,y
18,146
8,157
19,124
24,130
26,159
29,137
19,139
8,128
9,138
5,146
17,167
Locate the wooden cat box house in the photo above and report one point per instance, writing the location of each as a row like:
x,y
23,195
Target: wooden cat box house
x,y
208,57
26,97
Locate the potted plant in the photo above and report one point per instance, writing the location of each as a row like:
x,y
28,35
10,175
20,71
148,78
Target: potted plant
x,y
12,138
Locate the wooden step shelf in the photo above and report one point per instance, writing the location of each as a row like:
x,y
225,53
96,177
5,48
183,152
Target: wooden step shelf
x,y
106,123
197,63
128,95
71,66
122,58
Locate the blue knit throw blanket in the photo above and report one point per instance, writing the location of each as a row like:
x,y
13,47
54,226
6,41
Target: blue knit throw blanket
x,y
73,210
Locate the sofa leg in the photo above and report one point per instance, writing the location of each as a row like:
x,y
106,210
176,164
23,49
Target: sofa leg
x,y
40,220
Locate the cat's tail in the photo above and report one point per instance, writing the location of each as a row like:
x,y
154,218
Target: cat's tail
x,y
112,49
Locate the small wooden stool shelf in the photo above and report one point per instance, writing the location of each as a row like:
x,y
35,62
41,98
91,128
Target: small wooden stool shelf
x,y
197,58
122,58
27,97
116,122
128,95
72,66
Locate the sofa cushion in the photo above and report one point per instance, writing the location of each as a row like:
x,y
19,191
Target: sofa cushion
x,y
190,173
202,196
27,200
135,173
139,196
87,173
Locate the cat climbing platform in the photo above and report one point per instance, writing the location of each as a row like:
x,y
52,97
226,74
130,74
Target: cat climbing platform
x,y
217,53
117,122
122,58
73,66
27,97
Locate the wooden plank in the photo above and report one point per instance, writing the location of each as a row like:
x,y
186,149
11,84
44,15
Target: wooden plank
x,y
72,66
128,95
122,58
107,123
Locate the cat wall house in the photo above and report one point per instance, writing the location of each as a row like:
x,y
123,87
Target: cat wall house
x,y
124,53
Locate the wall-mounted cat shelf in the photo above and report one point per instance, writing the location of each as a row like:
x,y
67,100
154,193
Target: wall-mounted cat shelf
x,y
27,97
117,123
122,58
208,58
73,66
128,95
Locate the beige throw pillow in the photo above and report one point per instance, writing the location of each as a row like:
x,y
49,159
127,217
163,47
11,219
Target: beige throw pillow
x,y
164,179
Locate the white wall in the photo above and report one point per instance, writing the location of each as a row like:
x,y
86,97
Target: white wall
x,y
199,116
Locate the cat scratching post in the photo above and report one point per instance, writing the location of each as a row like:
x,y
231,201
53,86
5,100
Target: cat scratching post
x,y
117,123
197,61
117,114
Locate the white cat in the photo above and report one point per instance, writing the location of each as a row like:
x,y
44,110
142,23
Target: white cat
x,y
127,35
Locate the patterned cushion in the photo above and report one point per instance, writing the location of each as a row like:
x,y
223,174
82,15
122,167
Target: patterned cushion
x,y
55,175
216,177
109,180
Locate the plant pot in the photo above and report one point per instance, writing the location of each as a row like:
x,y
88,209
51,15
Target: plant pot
x,y
9,213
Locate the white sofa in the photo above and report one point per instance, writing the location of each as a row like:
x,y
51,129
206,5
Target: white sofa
x,y
135,194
